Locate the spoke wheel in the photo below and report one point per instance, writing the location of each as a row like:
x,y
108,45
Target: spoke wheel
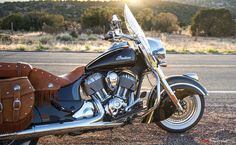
x,y
181,121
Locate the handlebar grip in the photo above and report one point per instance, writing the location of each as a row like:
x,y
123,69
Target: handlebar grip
x,y
109,36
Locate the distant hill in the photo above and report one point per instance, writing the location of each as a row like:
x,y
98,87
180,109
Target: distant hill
x,y
72,10
228,4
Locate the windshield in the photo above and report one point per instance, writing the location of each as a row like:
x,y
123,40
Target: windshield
x,y
137,32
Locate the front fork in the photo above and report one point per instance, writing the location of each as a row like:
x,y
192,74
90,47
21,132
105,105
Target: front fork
x,y
160,77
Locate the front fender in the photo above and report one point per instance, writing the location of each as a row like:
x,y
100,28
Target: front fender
x,y
182,79
183,86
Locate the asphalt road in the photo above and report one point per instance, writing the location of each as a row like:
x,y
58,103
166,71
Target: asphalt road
x,y
216,72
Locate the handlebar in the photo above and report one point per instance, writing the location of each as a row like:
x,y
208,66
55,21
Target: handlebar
x,y
112,36
115,34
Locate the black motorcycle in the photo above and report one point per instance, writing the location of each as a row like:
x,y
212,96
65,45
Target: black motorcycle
x,y
111,91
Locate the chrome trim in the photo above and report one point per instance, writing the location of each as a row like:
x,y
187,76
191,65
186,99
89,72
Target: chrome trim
x,y
124,93
168,89
100,96
163,63
17,87
65,127
157,49
188,117
131,105
50,85
58,128
192,75
86,111
112,80
158,99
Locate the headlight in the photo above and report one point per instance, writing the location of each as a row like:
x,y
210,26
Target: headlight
x,y
157,49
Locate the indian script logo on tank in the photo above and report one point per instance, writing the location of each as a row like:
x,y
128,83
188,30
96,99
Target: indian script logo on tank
x,y
123,57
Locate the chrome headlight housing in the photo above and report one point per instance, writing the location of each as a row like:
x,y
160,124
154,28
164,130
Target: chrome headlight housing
x,y
157,49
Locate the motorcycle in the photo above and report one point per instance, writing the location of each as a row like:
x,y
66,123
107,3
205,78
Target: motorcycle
x,y
111,86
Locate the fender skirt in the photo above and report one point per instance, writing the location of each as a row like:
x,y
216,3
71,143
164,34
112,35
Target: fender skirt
x,y
183,86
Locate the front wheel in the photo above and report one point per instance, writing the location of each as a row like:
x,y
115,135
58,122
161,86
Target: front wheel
x,y
182,121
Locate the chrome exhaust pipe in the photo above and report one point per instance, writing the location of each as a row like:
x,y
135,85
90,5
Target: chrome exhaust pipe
x,y
65,127
57,128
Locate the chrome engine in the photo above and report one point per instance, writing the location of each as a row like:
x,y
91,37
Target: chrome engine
x,y
114,90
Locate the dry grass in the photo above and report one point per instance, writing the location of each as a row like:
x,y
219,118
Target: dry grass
x,y
38,41
188,44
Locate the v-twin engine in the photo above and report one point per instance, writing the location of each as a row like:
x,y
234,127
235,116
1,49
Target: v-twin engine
x,y
115,90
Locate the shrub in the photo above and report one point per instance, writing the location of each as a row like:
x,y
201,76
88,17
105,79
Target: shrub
x,y
213,51
45,39
165,22
31,21
83,37
5,39
64,37
92,37
41,47
212,22
74,34
21,48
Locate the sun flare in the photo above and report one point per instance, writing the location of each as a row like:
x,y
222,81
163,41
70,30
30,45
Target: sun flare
x,y
134,2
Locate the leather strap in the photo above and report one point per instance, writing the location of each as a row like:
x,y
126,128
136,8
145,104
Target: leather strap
x,y
16,103
1,109
18,69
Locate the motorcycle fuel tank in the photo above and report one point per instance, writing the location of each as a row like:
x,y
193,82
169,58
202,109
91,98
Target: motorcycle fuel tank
x,y
114,58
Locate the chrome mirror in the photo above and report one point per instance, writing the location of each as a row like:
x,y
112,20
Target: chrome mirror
x,y
160,53
115,18
116,25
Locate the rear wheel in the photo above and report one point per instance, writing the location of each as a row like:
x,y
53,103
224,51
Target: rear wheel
x,y
181,121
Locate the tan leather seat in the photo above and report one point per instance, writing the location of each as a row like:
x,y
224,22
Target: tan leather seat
x,y
9,70
43,80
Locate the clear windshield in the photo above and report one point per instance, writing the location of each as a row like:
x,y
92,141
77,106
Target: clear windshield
x,y
135,30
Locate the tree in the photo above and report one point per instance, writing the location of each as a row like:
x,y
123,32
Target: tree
x,y
16,19
144,18
97,18
31,21
212,22
165,22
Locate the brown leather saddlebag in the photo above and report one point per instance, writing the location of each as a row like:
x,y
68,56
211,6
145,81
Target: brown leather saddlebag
x,y
10,70
16,104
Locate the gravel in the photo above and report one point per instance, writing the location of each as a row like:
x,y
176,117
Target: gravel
x,y
216,127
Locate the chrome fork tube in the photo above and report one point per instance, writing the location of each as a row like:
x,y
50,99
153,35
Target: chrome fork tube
x,y
160,77
168,89
157,100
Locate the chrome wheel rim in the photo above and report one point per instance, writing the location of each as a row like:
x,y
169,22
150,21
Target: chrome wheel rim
x,y
181,120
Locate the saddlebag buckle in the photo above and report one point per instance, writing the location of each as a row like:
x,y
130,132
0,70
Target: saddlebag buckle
x,y
16,105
